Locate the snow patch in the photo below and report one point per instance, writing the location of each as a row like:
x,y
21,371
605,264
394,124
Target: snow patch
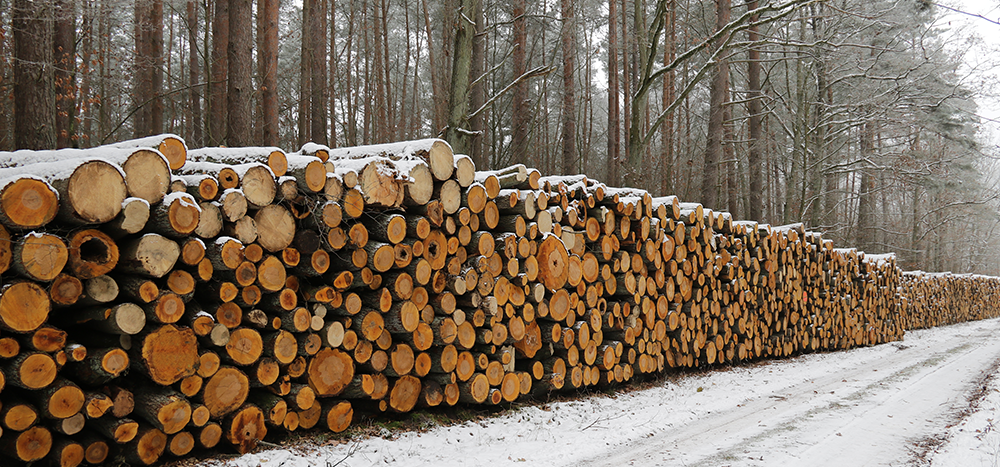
x,y
135,200
184,198
219,241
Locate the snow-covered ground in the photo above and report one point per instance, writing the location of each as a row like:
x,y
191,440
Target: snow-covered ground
x,y
917,402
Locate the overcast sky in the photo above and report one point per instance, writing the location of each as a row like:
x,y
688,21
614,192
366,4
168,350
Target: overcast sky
x,y
977,35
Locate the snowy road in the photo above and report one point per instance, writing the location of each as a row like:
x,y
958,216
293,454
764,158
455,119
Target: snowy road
x,y
888,405
875,410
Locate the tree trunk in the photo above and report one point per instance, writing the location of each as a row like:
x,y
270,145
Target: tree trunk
x,y
87,77
320,98
149,68
332,80
718,92
636,125
28,446
626,51
521,113
239,92
6,94
34,101
866,211
64,55
140,91
437,91
317,67
245,428
667,129
267,71
305,75
729,155
569,164
155,113
220,73
478,98
915,237
756,145
614,125
194,136
380,102
795,192
457,133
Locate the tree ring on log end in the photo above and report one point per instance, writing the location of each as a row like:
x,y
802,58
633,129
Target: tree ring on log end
x,y
147,175
330,371
24,306
170,354
95,192
28,203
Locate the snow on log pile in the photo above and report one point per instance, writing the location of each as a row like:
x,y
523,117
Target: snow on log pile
x,y
938,299
158,301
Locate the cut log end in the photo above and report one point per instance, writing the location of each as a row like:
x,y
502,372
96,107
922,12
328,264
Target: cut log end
x,y
330,371
245,428
24,306
405,394
94,193
147,175
92,253
275,228
147,447
441,159
28,203
339,415
32,444
169,354
151,255
175,151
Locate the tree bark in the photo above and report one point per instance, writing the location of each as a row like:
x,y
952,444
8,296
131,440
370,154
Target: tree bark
x,y
220,74
239,92
87,75
64,55
305,74
754,154
380,102
569,164
614,124
667,130
864,236
718,92
34,101
155,112
332,80
478,98
457,133
521,113
625,43
149,68
317,68
267,74
194,136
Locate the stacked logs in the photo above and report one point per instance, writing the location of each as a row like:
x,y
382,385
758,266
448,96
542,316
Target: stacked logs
x,y
939,299
160,300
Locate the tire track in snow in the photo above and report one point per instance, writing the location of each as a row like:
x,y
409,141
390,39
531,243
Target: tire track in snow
x,y
869,414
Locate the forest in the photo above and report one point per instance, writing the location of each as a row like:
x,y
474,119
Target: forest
x,y
856,117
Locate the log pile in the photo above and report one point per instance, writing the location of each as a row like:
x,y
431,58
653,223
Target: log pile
x,y
939,299
158,300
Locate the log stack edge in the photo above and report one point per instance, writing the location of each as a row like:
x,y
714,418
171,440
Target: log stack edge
x,y
158,300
